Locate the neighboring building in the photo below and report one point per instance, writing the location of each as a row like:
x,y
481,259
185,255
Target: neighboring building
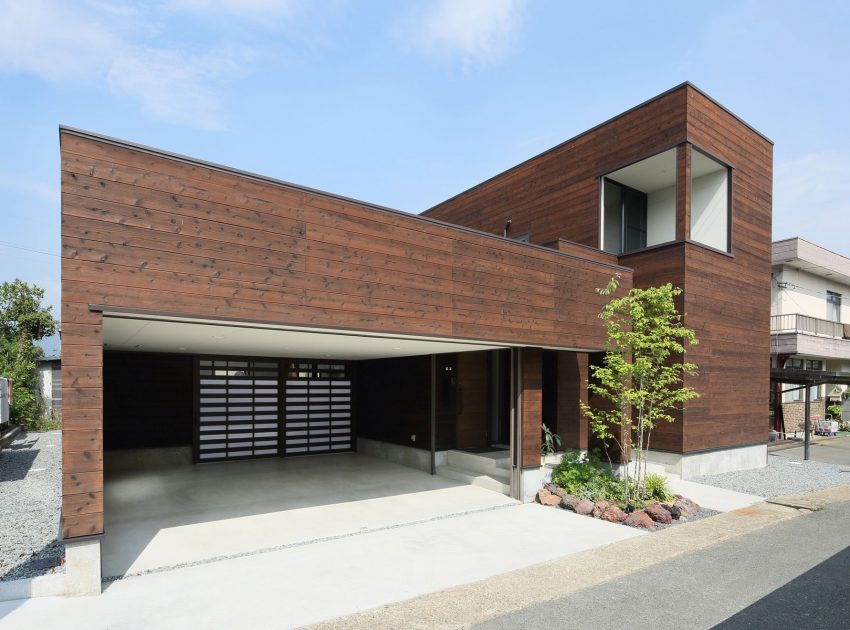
x,y
50,385
809,323
228,316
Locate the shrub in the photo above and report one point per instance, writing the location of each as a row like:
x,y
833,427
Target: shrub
x,y
581,476
550,443
656,488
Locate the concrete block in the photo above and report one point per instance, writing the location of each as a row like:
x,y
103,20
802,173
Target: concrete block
x,y
82,567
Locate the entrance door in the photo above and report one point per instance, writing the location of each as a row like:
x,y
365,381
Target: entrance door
x,y
256,407
237,402
317,407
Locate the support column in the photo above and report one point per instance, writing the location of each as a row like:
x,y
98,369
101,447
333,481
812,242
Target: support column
x,y
82,567
808,423
683,192
433,414
531,411
82,447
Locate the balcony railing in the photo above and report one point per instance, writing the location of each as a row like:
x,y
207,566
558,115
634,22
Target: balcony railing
x,y
806,325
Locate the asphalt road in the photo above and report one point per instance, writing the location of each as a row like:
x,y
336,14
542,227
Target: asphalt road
x,y
795,574
826,450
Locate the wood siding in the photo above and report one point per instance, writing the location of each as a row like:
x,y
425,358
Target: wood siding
x,y
531,411
473,400
143,231
727,297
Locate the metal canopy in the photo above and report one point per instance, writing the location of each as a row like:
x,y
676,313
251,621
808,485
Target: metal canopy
x,y
806,379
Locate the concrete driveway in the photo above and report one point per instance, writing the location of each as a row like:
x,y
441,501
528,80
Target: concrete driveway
x,y
828,450
310,582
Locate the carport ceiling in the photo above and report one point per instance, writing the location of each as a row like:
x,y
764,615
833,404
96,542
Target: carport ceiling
x,y
162,335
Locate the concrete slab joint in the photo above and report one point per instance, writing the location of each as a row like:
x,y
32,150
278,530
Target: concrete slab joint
x,y
82,567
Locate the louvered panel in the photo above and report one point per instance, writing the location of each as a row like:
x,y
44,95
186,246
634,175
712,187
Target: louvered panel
x,y
238,409
318,408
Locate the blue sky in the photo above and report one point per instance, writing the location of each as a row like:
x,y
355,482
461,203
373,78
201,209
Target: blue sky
x,y
405,103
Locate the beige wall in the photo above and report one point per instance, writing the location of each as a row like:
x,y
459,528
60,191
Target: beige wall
x,y
806,294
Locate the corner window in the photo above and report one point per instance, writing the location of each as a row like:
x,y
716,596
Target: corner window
x,y
709,201
639,204
833,306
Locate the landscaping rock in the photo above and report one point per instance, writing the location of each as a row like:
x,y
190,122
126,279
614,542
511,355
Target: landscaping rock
x,y
568,503
640,520
658,514
687,508
613,514
551,487
551,500
544,497
542,494
599,507
584,507
675,514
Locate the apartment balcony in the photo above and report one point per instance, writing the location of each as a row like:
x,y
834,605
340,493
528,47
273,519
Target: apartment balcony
x,y
801,334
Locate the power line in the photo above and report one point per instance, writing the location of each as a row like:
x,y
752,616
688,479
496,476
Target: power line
x,y
28,249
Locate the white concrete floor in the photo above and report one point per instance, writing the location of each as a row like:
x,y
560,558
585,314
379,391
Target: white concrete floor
x,y
311,583
185,514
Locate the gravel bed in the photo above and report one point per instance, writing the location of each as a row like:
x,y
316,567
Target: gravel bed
x,y
703,513
780,477
30,498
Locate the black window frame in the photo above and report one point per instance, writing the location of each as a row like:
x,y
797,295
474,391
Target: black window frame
x,y
625,191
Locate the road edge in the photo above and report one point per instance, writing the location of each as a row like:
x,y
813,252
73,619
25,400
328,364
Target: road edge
x,y
469,604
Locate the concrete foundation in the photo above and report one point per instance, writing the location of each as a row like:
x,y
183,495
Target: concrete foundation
x,y
417,458
531,480
690,465
82,567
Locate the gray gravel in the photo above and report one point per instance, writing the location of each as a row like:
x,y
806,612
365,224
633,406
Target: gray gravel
x,y
781,477
30,498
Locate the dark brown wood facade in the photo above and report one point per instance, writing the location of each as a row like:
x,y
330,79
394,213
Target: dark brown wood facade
x,y
726,295
145,231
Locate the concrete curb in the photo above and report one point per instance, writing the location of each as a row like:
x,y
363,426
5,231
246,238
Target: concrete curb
x,y
10,435
49,585
470,604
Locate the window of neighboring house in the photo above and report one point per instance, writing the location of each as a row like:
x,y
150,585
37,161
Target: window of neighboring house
x,y
803,364
833,306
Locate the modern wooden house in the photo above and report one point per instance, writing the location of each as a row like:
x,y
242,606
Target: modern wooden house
x,y
230,316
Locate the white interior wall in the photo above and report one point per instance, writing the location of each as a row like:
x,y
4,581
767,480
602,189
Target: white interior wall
x,y
709,210
661,216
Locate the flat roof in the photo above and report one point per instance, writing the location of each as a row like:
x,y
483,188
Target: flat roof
x,y
807,256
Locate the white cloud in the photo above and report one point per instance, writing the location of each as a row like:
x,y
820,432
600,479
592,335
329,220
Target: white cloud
x,y
29,186
475,31
812,199
173,85
46,39
248,9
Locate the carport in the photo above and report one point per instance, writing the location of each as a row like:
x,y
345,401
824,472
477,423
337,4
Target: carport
x,y
223,439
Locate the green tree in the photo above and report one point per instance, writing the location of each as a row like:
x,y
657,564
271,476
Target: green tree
x,y
642,374
23,321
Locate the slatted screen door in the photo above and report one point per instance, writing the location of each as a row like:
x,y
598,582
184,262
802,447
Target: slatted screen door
x,y
250,408
238,402
318,405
